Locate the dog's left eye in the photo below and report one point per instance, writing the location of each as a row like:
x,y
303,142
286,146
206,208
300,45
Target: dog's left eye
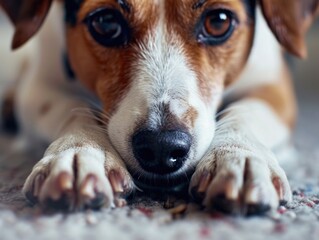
x,y
108,27
216,26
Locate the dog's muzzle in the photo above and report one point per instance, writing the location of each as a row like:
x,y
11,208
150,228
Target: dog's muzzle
x,y
161,152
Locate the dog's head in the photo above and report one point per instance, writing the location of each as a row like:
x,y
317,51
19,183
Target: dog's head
x,y
160,67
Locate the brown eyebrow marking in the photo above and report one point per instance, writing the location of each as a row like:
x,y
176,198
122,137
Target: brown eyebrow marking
x,y
199,4
124,5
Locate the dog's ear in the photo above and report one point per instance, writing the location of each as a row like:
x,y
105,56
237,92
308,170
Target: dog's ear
x,y
27,17
310,11
289,20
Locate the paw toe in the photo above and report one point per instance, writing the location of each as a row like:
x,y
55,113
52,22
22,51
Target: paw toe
x,y
95,193
64,203
121,183
257,209
198,188
31,198
222,204
97,202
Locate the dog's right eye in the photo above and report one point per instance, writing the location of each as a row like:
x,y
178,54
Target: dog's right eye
x,y
108,27
216,26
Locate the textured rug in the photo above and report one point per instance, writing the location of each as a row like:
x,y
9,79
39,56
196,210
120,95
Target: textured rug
x,y
147,219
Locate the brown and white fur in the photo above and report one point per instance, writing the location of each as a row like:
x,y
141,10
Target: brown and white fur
x,y
164,80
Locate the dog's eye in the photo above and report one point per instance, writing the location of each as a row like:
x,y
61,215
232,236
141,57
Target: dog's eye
x,y
108,27
216,27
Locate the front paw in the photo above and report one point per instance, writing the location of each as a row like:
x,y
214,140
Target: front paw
x,y
78,178
239,180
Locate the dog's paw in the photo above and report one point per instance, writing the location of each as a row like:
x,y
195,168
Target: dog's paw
x,y
78,178
238,180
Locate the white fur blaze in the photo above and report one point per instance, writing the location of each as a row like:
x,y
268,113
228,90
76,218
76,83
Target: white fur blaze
x,y
161,76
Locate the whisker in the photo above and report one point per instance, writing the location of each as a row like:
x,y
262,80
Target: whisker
x,y
91,110
92,117
89,114
97,128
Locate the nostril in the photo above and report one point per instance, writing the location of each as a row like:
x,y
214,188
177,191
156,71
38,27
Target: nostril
x,y
147,154
144,148
179,153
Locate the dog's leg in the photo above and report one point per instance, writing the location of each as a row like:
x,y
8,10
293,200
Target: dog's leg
x,y
80,169
240,173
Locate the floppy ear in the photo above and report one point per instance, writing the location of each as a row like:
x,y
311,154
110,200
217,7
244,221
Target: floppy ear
x,y
310,11
27,17
289,20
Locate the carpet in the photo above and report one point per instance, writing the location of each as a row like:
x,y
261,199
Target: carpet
x,y
149,219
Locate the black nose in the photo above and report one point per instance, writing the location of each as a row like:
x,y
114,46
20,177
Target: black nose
x,y
161,152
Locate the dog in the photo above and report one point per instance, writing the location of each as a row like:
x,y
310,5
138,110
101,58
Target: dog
x,y
158,95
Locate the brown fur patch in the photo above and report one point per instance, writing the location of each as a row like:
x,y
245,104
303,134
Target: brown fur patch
x,y
280,96
106,71
190,117
215,66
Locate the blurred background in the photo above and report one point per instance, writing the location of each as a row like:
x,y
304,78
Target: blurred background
x,y
306,78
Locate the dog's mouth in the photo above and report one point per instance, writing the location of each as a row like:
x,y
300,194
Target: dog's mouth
x,y
169,183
